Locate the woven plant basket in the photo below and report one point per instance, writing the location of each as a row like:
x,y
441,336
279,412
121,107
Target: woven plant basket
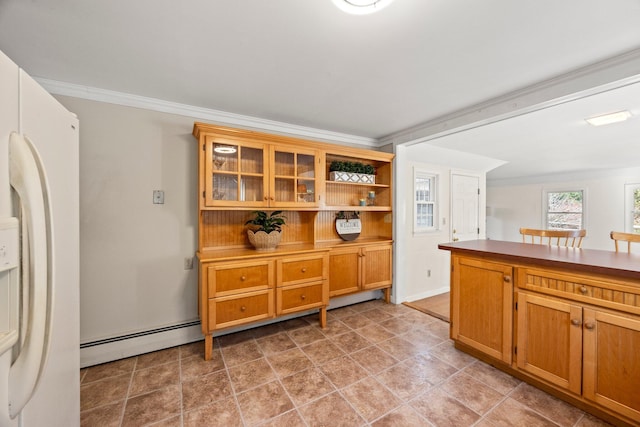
x,y
263,241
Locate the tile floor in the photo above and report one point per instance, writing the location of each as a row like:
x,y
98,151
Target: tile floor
x,y
375,364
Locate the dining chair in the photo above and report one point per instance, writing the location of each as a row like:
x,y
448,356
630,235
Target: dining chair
x,y
567,238
629,238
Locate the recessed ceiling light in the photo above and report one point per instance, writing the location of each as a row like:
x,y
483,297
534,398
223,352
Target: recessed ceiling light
x,y
224,149
606,119
361,7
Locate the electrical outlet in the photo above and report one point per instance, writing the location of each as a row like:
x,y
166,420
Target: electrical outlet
x,y
158,197
428,273
188,263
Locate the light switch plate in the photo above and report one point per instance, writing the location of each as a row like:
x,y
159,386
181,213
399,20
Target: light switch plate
x,y
158,197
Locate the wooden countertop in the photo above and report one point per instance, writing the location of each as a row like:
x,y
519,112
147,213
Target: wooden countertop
x,y
619,264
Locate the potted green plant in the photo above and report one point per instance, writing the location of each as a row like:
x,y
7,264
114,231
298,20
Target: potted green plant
x,y
352,172
265,230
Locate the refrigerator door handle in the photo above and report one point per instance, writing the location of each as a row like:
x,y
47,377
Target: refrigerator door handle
x,y
30,183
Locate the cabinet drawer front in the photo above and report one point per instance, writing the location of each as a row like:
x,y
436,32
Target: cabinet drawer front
x,y
297,298
231,311
300,270
226,279
609,293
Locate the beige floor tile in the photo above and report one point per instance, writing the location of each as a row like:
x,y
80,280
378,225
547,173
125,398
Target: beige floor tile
x,y
275,343
108,390
370,398
306,335
205,389
343,371
244,352
322,351
356,321
375,333
374,359
223,413
454,357
289,362
307,385
396,325
400,348
334,327
288,419
158,358
104,416
442,410
155,377
152,407
263,403
377,315
430,367
404,381
251,374
473,394
559,411
510,413
111,369
403,416
193,349
339,313
331,410
501,382
196,365
350,342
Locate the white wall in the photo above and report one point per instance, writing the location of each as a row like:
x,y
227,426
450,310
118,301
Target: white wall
x,y
417,253
132,251
519,203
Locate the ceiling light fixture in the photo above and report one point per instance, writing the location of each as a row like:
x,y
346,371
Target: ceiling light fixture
x,y
606,119
361,7
224,149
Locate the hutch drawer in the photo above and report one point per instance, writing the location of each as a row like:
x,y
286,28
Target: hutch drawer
x,y
295,270
239,309
230,278
301,297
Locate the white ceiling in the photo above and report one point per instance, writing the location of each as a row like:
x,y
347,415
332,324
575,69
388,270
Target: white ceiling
x,y
309,64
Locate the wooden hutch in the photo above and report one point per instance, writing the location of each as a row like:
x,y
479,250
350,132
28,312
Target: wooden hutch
x,y
240,171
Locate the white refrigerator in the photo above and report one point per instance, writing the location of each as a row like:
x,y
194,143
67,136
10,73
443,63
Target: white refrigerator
x,y
39,256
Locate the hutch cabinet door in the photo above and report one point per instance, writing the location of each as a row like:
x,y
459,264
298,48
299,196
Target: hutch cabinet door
x,y
612,361
376,266
294,177
550,340
235,173
344,271
482,306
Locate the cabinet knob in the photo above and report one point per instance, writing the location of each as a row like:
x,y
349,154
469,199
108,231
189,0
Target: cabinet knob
x,y
266,198
507,279
243,308
576,322
243,278
304,269
302,297
583,289
589,325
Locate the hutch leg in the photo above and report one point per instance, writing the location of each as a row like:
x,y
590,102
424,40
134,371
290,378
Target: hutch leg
x,y
387,295
323,317
208,346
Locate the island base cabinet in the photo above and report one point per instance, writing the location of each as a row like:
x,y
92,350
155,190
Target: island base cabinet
x,y
549,340
481,304
612,362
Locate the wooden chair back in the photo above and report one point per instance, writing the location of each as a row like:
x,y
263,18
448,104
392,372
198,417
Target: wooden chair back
x,y
629,238
567,238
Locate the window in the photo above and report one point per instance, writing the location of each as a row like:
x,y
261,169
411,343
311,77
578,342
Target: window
x,y
425,201
632,208
564,210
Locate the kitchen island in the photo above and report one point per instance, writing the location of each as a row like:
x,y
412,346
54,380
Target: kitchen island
x,y
562,319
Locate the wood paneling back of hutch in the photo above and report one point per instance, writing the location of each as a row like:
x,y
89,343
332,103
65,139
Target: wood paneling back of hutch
x,y
241,171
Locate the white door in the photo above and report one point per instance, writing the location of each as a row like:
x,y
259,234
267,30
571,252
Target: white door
x,y
465,202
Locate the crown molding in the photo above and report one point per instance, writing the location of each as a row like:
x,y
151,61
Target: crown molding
x,y
612,73
219,117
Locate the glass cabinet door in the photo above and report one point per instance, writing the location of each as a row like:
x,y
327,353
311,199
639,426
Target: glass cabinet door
x,y
235,173
294,177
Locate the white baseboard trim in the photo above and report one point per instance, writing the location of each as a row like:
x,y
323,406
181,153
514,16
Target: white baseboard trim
x,y
103,351
427,294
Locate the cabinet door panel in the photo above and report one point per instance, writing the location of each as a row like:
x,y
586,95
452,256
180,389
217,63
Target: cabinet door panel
x,y
550,340
343,271
612,361
481,295
376,266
